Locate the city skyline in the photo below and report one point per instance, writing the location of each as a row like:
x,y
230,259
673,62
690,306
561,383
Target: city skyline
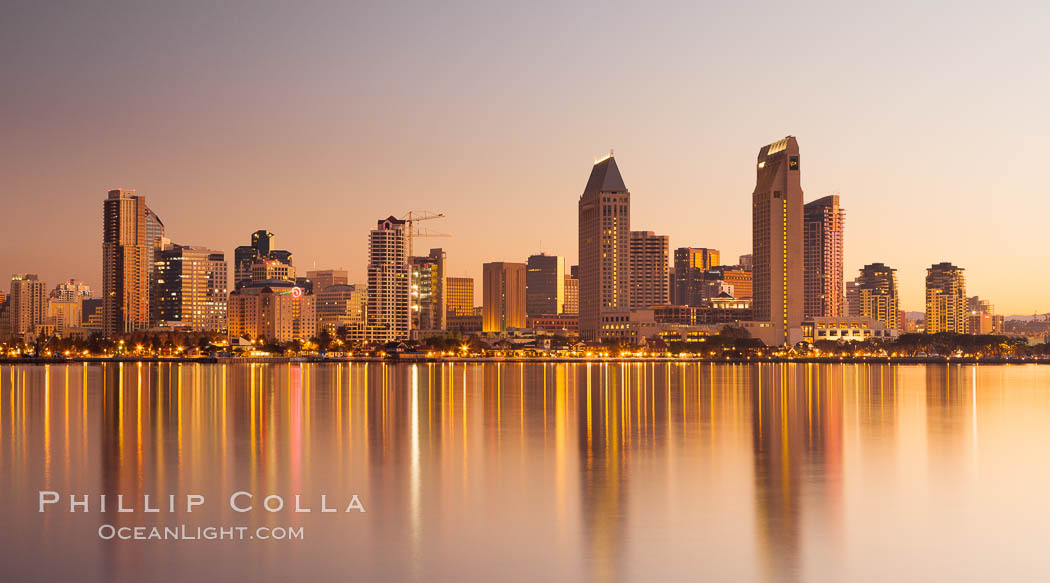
x,y
318,134
151,220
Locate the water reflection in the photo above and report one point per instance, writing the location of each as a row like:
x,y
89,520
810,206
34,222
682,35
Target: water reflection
x,y
604,472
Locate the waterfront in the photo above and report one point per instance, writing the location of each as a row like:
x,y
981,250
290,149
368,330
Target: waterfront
x,y
553,471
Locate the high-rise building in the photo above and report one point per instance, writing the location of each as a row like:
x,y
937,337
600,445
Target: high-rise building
x,y
323,278
874,295
428,291
822,228
605,253
572,295
126,252
459,296
191,287
503,296
946,301
776,207
246,257
389,298
545,285
690,265
27,304
154,233
341,305
648,269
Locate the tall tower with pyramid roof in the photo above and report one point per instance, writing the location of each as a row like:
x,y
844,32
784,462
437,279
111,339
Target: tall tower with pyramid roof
x,y
605,247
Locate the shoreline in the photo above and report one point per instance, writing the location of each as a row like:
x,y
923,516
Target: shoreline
x,y
903,360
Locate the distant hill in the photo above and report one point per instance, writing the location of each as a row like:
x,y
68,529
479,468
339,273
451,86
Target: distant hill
x,y
1026,318
1014,318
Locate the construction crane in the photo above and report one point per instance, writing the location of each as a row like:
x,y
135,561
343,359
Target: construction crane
x,y
413,217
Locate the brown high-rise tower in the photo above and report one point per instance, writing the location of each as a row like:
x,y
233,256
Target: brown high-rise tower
x,y
125,263
823,225
776,208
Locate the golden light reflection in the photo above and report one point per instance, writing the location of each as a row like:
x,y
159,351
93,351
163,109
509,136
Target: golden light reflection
x,y
578,457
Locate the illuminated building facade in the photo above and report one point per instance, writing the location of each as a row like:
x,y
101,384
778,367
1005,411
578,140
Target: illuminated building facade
x,y
389,298
946,301
848,329
690,265
777,243
823,226
27,305
981,317
544,285
323,278
649,279
604,251
460,296
126,252
274,311
191,287
246,258
874,295
503,296
341,305
428,291
572,296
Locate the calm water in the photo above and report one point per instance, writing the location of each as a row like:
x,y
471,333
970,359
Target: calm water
x,y
469,472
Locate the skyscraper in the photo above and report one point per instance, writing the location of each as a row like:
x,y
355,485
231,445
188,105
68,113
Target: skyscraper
x,y
428,291
823,224
690,264
27,304
874,295
545,285
946,301
777,248
649,269
503,296
604,250
389,299
191,284
154,233
126,252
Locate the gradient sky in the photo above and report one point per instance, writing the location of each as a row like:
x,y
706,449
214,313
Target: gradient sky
x,y
314,119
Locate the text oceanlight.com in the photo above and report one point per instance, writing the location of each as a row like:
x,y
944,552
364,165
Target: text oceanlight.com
x,y
202,533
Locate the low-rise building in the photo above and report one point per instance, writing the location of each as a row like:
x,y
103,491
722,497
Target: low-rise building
x,y
272,310
846,329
